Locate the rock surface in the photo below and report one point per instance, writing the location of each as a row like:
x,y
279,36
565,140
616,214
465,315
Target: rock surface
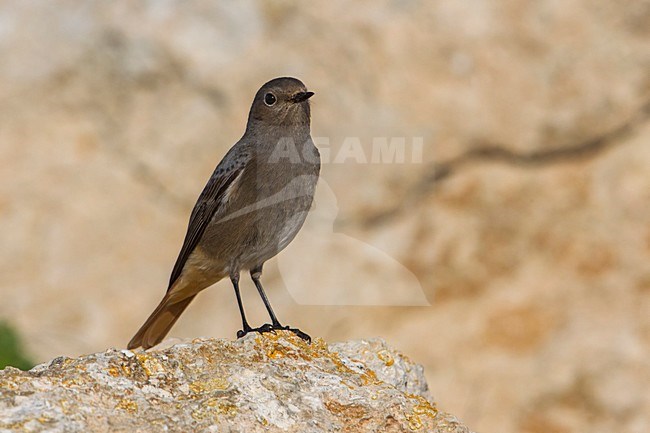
x,y
261,383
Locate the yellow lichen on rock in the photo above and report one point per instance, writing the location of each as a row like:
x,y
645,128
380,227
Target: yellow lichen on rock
x,y
210,385
127,405
150,364
265,383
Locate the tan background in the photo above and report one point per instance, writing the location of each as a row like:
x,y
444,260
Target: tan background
x,y
536,259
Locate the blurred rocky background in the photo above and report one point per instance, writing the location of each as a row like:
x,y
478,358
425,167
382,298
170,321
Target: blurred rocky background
x,y
526,224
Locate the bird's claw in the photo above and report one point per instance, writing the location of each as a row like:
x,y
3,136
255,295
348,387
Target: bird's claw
x,y
268,327
300,334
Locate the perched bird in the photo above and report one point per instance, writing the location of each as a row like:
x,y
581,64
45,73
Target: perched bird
x,y
252,207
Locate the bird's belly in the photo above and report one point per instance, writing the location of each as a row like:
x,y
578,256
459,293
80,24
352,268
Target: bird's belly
x,y
247,236
273,231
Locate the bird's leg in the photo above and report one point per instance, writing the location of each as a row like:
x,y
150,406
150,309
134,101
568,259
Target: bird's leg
x,y
246,327
256,273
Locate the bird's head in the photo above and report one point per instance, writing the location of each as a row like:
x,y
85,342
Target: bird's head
x,y
281,102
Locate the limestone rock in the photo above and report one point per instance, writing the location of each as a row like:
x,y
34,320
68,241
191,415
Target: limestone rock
x,y
261,383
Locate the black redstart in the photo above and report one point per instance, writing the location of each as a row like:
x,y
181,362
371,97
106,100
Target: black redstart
x,y
252,207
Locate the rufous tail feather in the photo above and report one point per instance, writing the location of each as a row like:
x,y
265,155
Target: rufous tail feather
x,y
159,323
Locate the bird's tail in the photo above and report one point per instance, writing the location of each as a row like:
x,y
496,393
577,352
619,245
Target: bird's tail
x,y
160,322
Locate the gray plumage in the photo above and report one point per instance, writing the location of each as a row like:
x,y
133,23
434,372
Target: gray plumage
x,y
253,205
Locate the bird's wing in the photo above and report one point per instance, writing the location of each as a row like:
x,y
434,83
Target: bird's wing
x,y
208,203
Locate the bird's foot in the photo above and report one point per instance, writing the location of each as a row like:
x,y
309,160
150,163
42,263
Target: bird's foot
x,y
301,334
268,327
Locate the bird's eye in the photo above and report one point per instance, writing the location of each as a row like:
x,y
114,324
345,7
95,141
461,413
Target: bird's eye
x,y
269,99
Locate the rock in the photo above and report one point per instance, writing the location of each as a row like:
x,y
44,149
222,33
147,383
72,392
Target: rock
x,y
261,383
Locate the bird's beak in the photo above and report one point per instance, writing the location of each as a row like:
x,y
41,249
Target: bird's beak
x,y
301,96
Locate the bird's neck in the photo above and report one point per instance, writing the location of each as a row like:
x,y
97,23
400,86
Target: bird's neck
x,y
264,132
275,143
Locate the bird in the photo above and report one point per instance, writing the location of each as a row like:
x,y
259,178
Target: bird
x,y
251,208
